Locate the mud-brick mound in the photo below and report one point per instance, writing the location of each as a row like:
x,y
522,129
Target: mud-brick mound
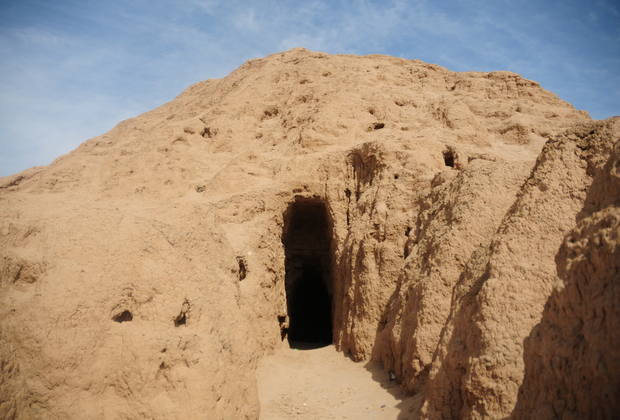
x,y
415,212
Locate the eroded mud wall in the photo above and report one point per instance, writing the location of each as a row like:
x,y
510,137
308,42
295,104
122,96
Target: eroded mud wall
x,y
572,358
462,211
478,366
177,217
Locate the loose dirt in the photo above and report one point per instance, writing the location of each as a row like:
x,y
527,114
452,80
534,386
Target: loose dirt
x,y
322,383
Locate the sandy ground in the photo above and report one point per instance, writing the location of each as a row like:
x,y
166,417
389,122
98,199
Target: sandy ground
x,y
324,384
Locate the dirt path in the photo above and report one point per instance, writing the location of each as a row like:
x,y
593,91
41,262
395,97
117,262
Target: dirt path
x,y
324,384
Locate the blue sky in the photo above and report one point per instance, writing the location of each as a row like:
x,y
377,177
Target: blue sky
x,y
72,69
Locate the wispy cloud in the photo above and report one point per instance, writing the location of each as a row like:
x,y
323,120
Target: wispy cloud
x,y
72,69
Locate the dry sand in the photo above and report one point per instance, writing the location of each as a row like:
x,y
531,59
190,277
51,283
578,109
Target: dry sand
x,y
322,383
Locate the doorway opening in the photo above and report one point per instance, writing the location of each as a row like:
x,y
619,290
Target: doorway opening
x,y
307,245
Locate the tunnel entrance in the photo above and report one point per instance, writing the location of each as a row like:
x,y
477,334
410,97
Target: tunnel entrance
x,y
307,243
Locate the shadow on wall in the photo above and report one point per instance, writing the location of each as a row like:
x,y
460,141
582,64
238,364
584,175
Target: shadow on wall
x,y
408,405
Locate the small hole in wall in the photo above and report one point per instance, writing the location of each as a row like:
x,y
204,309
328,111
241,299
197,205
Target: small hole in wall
x,y
396,176
124,316
243,271
208,132
270,113
382,323
406,250
449,157
180,320
378,126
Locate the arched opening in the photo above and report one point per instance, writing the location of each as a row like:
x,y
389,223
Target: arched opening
x,y
448,157
307,240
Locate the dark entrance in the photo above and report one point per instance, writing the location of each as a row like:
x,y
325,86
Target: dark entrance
x,y
306,241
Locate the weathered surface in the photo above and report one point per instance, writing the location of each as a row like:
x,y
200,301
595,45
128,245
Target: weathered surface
x,y
500,296
143,274
461,213
77,270
576,346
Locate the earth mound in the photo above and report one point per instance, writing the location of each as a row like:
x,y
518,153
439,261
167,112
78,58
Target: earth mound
x,y
428,220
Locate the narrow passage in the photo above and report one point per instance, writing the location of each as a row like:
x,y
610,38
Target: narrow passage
x,y
308,280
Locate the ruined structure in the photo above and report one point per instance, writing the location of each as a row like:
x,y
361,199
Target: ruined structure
x,y
432,220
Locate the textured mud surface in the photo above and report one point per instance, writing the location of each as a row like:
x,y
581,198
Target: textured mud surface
x,y
457,229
